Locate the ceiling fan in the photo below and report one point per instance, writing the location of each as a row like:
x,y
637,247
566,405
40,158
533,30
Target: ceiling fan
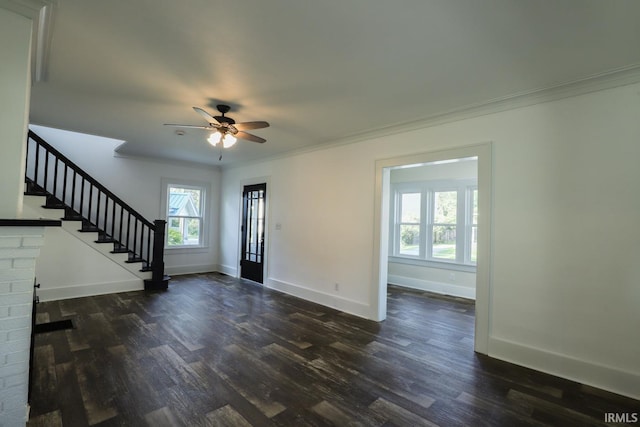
x,y
226,130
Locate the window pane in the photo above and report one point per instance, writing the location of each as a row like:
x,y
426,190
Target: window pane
x,y
184,201
474,244
410,207
174,232
474,216
445,210
192,233
183,231
410,240
444,242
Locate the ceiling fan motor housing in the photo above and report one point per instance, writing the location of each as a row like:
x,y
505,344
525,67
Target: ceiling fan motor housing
x,y
222,119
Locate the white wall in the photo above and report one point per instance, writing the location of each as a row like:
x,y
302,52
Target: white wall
x,y
565,241
138,183
20,245
87,268
463,169
15,87
440,280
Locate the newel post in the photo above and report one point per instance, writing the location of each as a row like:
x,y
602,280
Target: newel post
x,y
158,279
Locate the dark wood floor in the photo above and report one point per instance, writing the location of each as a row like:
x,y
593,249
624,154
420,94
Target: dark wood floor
x,y
217,351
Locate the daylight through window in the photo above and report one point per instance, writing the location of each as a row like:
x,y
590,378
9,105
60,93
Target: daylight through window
x,y
184,215
436,221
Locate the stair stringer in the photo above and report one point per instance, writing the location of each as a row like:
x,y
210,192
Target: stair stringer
x,y
88,268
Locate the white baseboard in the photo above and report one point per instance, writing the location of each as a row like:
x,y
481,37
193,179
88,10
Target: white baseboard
x,y
189,269
54,294
582,371
334,301
436,287
227,269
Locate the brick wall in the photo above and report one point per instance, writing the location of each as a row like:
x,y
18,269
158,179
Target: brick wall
x,y
19,248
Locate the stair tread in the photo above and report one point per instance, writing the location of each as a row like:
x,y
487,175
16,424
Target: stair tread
x,y
54,199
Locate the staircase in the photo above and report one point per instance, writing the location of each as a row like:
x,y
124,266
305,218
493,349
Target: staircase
x,y
83,200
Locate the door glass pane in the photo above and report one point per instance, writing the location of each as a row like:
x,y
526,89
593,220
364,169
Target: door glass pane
x,y
410,239
444,241
410,207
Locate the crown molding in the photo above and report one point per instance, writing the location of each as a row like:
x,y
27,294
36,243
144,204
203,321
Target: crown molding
x,y
41,42
601,81
41,13
607,80
27,8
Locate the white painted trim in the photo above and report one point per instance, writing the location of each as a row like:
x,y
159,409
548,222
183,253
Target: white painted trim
x,y
378,302
34,204
190,269
228,270
90,289
607,80
27,8
41,43
582,371
205,215
158,160
334,301
436,287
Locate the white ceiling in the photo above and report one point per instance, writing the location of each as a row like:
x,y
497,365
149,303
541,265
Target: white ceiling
x,y
318,71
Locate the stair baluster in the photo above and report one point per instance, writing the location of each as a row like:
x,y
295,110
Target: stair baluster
x,y
149,249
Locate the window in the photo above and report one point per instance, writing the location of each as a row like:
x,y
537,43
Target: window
x,y
436,221
410,210
185,215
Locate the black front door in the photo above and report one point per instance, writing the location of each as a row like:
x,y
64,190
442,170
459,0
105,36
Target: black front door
x,y
253,215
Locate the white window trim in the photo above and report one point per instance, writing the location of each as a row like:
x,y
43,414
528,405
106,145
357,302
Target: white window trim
x,y
428,189
205,187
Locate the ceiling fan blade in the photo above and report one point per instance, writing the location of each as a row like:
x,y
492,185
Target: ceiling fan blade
x,y
251,125
191,126
249,137
208,117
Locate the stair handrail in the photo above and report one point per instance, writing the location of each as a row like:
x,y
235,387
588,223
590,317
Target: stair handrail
x,y
154,252
89,178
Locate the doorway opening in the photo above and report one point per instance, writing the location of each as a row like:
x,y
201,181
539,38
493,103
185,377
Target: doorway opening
x,y
433,227
384,240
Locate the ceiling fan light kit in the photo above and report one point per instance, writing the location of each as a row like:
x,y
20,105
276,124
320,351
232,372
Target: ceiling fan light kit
x,y
226,130
226,139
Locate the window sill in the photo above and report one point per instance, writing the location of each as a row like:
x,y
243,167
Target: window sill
x,y
444,265
186,249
